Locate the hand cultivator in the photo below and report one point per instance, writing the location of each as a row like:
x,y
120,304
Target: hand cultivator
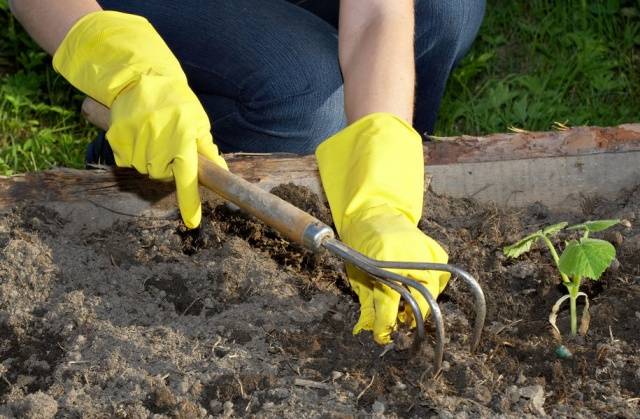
x,y
301,227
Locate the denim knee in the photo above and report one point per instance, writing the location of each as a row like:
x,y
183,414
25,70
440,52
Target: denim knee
x,y
445,30
449,26
293,109
303,114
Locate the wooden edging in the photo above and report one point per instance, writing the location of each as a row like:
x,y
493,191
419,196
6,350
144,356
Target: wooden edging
x,y
556,168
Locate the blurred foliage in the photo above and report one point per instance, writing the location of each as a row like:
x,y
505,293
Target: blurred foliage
x,y
40,126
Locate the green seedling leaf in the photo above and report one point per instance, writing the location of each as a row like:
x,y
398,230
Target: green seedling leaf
x,y
521,246
594,226
554,229
587,258
524,245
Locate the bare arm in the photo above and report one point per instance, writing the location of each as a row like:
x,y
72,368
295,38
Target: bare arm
x,y
49,21
377,57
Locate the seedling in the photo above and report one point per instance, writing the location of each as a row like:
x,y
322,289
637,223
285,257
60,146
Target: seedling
x,y
582,258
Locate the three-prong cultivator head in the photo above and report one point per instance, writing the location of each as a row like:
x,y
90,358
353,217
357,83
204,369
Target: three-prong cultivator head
x,y
377,269
303,228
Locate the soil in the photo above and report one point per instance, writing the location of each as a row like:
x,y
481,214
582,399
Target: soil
x,y
104,315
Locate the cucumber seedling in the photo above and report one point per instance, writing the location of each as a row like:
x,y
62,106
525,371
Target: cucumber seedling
x,y
582,258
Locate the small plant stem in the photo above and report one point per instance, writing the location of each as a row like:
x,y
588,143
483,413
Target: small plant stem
x,y
574,288
556,260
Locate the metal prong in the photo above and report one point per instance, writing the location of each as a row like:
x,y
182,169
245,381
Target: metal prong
x,y
480,305
371,267
415,307
436,314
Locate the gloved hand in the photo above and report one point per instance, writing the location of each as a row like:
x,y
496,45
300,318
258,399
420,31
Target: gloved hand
x,y
373,175
158,125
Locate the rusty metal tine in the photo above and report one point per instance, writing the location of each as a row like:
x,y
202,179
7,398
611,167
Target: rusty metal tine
x,y
415,308
369,265
480,304
436,314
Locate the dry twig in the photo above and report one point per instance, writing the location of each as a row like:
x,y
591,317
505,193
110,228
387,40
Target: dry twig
x,y
366,388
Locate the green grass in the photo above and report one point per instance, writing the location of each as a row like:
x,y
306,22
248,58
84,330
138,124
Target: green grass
x,y
40,126
538,62
534,63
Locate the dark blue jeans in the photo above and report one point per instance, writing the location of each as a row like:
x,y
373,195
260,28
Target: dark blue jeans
x,y
267,71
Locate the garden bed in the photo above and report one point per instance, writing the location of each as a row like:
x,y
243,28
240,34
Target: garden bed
x,y
132,319
108,314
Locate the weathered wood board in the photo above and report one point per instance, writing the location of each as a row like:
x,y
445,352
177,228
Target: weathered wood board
x,y
558,182
557,168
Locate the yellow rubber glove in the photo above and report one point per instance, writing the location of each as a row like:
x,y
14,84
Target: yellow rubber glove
x,y
158,125
373,175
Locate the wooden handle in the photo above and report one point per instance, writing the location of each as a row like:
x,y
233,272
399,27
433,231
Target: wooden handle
x,y
290,221
293,223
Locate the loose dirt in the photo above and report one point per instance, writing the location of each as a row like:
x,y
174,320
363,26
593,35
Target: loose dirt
x,y
131,317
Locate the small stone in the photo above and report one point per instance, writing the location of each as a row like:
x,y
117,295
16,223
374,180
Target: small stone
x,y
513,394
162,293
521,378
537,401
184,385
215,407
208,302
399,387
446,365
337,317
278,393
81,340
336,375
482,394
227,408
615,265
531,392
268,405
615,237
377,408
626,223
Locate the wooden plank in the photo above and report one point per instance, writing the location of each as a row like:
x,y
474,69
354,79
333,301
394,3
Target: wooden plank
x,y
108,184
578,141
560,183
510,169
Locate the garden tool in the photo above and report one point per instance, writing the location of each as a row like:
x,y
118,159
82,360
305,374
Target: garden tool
x,y
306,230
302,228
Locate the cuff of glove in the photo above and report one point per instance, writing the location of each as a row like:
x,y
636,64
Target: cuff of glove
x,y
377,160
